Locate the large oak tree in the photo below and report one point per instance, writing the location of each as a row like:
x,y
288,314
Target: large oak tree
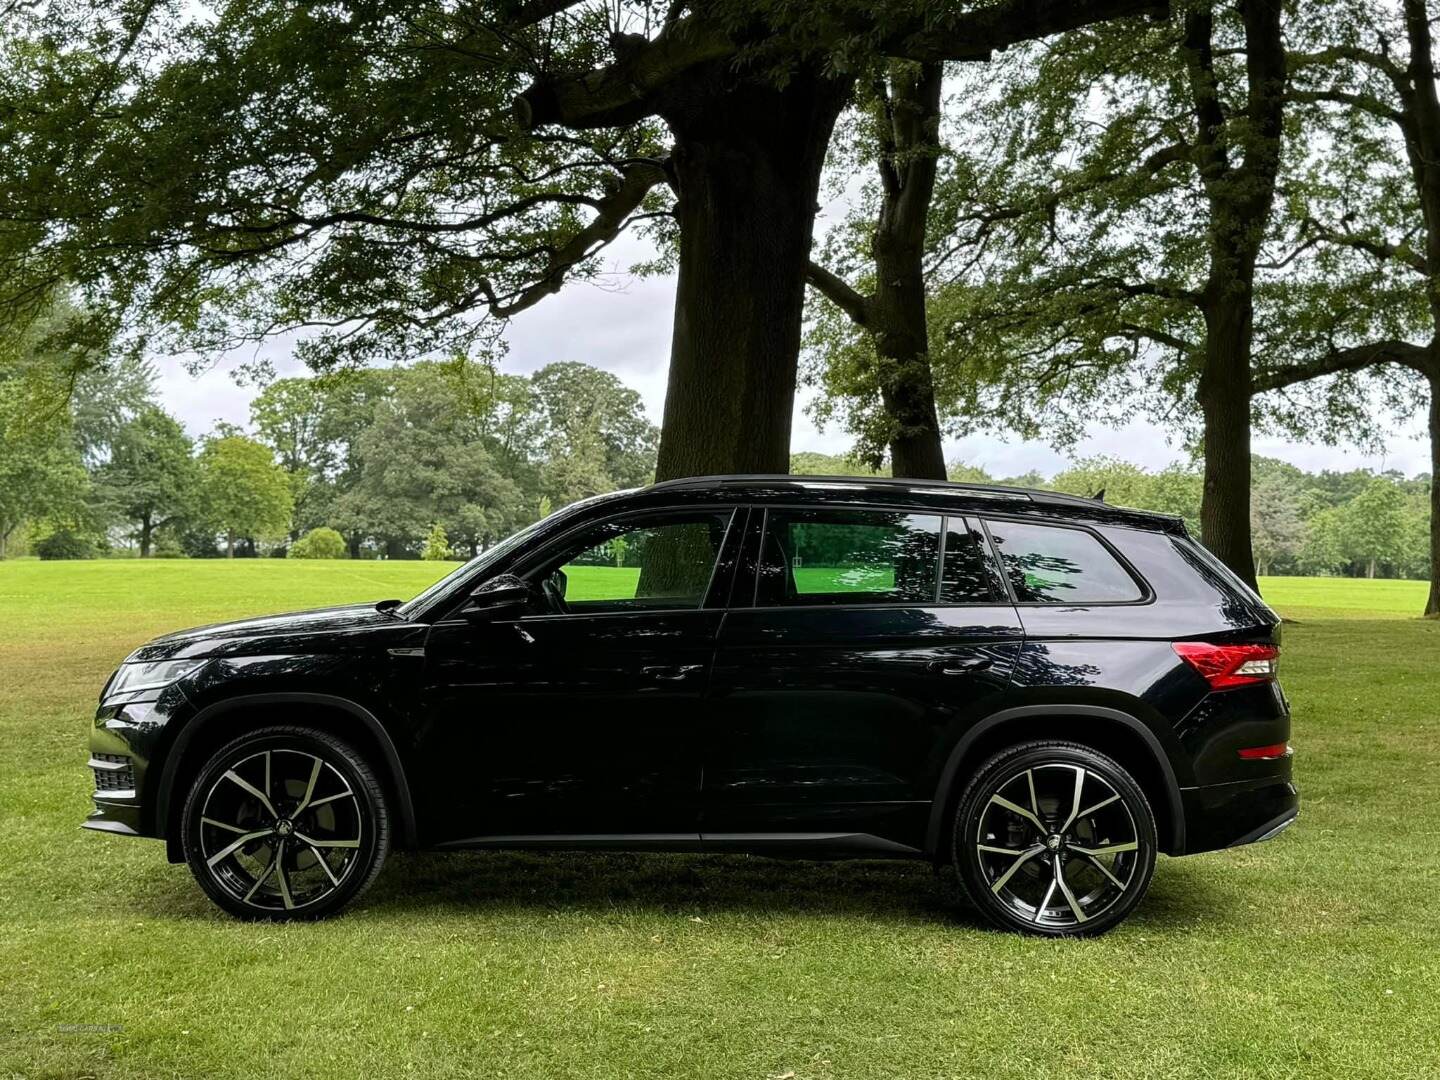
x,y
223,174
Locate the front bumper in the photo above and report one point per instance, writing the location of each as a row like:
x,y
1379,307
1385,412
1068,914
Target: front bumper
x,y
124,741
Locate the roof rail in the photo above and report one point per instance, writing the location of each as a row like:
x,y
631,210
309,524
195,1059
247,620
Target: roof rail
x,y
946,487
933,487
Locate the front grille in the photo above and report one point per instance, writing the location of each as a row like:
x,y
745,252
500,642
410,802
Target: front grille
x,y
112,772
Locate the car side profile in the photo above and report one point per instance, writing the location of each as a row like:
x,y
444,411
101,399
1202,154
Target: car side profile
x,y
1044,690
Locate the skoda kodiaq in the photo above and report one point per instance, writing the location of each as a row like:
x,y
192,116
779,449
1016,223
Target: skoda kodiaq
x,y
1045,690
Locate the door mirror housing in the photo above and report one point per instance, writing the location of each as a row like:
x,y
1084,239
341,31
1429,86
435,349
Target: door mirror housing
x,y
503,596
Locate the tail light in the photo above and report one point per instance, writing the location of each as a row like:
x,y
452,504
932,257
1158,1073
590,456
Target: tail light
x,y
1265,753
1224,666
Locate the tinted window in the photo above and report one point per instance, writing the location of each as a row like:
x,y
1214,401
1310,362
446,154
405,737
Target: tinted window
x,y
1060,566
968,576
849,557
636,565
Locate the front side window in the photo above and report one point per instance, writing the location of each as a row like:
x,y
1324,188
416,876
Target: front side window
x,y
1048,565
848,557
635,564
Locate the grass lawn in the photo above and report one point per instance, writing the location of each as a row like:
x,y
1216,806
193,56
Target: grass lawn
x,y
1315,955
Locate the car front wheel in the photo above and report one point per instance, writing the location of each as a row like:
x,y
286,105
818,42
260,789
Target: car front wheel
x,y
1054,838
286,822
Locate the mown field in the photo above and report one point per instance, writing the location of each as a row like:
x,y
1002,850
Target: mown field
x,y
1316,955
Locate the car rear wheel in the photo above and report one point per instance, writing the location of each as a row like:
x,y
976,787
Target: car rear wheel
x,y
1054,838
285,823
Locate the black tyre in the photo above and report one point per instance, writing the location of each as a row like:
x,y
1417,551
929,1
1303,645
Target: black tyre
x,y
1054,838
285,823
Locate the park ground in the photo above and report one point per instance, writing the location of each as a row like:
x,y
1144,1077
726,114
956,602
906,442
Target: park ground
x,y
1315,955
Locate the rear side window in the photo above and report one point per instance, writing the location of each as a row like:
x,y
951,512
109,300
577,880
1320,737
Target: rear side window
x,y
849,557
1048,565
968,575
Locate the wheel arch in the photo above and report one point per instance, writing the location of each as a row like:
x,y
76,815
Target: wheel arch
x,y
1118,734
205,732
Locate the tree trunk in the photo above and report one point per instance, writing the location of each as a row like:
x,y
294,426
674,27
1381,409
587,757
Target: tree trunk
x,y
1224,394
1240,195
230,544
897,309
146,531
1432,603
747,171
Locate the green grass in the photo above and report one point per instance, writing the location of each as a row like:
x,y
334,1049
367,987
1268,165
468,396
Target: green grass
x,y
1315,955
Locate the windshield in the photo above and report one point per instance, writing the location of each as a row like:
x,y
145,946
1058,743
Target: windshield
x,y
410,607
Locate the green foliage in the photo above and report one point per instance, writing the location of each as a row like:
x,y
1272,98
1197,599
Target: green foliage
x,y
424,458
243,493
1368,530
220,177
593,430
321,543
65,544
810,463
1173,490
380,454
1278,530
437,545
151,478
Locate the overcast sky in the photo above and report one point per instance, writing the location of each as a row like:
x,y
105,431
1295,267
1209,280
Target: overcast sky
x,y
624,327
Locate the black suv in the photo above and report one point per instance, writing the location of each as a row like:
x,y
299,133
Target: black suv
x,y
1043,689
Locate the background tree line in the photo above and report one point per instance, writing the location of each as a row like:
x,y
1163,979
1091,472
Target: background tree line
x,y
436,458
1355,523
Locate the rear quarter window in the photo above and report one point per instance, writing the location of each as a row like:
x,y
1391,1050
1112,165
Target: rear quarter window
x,y
1047,564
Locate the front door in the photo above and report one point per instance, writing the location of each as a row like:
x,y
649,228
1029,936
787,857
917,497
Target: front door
x,y
577,720
875,636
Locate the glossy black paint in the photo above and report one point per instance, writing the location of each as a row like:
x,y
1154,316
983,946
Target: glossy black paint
x,y
842,729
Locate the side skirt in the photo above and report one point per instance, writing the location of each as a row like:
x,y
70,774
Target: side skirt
x,y
801,845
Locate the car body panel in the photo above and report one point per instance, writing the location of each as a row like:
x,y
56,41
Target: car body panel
x,y
835,719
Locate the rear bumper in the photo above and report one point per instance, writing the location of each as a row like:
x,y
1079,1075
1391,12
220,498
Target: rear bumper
x,y
1244,812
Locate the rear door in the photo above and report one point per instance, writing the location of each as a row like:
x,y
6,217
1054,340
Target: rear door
x,y
861,643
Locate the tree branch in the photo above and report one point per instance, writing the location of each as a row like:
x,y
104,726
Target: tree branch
x,y
1160,337
975,35
522,13
614,215
839,292
1326,57
1365,102
1152,288
1211,157
1380,249
1357,358
619,92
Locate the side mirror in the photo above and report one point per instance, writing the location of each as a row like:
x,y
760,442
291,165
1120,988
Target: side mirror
x,y
500,597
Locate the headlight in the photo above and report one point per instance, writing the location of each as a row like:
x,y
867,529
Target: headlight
x,y
132,677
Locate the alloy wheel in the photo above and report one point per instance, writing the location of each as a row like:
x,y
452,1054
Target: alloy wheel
x,y
1058,846
280,830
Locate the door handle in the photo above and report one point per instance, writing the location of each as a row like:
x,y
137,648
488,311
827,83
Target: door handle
x,y
960,667
671,673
